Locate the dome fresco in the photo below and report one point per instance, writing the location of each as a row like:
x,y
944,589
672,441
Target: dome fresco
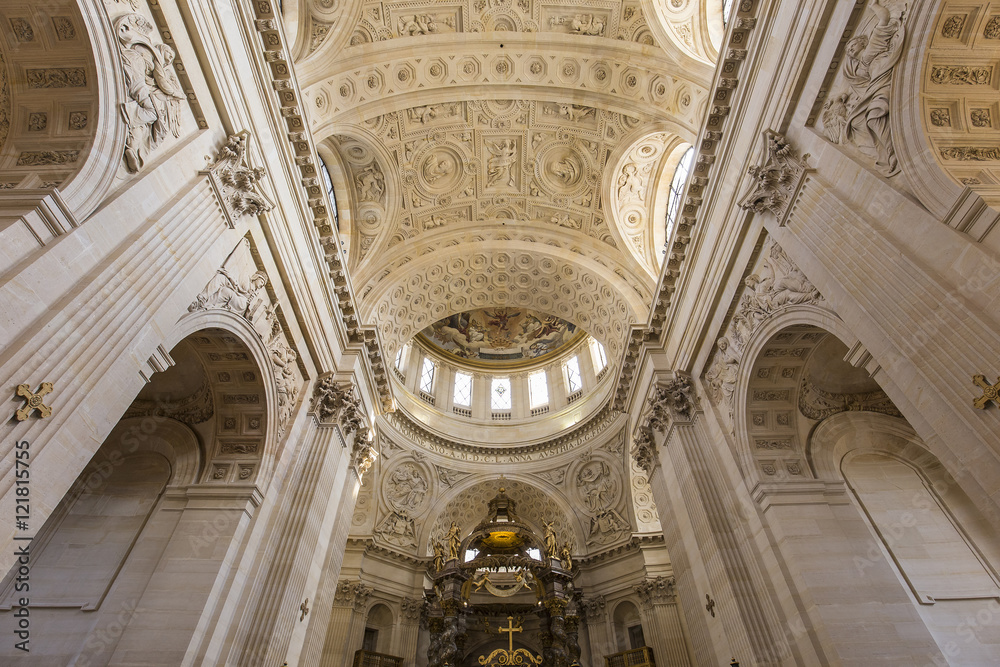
x,y
501,334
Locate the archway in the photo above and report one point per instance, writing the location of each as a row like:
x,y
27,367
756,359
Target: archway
x,y
143,533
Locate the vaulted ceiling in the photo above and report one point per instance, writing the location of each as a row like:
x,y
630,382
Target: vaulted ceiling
x,y
504,153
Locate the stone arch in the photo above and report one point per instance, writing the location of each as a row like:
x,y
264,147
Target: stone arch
x,y
467,503
426,276
227,333
637,184
63,121
943,154
340,178
242,444
624,616
921,518
379,618
765,401
372,187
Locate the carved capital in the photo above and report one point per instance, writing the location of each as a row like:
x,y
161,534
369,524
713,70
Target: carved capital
x,y
644,451
658,590
337,403
593,607
411,608
236,183
352,594
674,401
776,180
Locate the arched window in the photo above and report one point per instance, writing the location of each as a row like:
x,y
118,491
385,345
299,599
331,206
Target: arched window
x,y
328,182
727,9
676,190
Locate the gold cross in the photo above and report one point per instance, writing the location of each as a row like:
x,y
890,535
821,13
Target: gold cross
x,y
34,401
510,630
304,608
990,392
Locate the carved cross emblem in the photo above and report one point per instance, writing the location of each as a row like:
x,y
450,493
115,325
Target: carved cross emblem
x,y
990,392
304,609
34,401
710,607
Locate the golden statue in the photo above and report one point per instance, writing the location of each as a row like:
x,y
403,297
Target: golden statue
x,y
454,538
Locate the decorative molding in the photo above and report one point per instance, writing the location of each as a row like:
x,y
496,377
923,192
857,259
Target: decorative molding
x,y
816,403
644,450
307,160
732,56
779,284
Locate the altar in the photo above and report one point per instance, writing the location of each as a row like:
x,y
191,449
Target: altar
x,y
503,595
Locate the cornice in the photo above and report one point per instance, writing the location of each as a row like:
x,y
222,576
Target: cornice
x,y
290,98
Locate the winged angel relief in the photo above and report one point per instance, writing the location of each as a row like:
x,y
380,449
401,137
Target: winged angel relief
x,y
153,109
859,113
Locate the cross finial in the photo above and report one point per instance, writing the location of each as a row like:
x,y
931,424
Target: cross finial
x,y
510,630
503,483
710,607
304,608
990,392
34,401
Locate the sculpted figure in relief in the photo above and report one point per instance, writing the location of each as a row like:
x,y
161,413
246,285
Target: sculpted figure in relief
x,y
283,358
233,287
155,95
407,487
371,184
860,114
500,167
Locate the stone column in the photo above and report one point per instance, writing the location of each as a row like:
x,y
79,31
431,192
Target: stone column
x,y
409,630
597,627
347,624
662,625
557,651
573,639
712,555
303,526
